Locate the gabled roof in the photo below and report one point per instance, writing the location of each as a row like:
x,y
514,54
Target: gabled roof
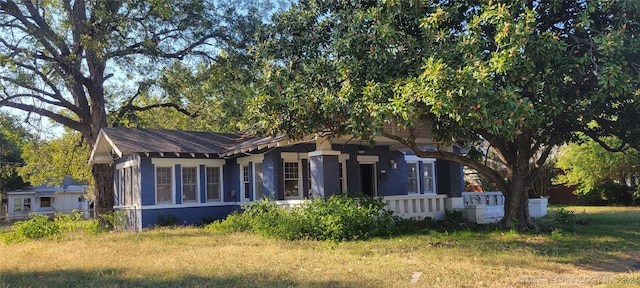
x,y
118,141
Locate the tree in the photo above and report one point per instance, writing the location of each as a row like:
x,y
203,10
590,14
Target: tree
x,y
12,136
48,162
67,60
587,164
521,75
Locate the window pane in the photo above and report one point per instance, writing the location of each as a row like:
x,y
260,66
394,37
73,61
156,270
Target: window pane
x,y
245,183
428,178
259,183
163,185
412,177
17,204
213,183
45,202
291,179
189,184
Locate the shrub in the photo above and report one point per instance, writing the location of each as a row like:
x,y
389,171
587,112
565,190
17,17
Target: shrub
x,y
608,193
115,219
338,218
37,227
166,220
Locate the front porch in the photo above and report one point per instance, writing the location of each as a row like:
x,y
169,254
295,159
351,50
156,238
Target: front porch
x,y
477,207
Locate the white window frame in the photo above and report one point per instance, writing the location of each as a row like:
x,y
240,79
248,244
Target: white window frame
x,y
424,161
250,161
131,168
172,187
22,204
172,162
206,175
432,164
258,186
292,157
197,184
342,161
245,182
416,176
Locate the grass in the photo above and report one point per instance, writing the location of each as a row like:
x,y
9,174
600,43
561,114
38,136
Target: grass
x,y
605,253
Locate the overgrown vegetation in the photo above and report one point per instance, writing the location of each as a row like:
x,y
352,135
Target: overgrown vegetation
x,y
338,218
41,226
604,253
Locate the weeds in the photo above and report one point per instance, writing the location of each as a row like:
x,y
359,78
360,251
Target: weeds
x,y
338,218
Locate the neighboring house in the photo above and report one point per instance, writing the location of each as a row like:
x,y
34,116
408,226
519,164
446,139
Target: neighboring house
x,y
198,176
47,200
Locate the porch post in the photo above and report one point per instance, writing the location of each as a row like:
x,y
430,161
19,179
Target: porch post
x,y
450,177
325,169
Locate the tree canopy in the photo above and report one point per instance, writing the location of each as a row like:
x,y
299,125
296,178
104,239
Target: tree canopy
x,y
522,75
587,164
12,137
70,60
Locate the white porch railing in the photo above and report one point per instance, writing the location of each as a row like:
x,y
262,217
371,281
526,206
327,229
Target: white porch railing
x,y
488,207
405,206
418,205
486,198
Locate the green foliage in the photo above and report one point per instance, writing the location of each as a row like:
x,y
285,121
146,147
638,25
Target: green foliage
x,y
166,220
564,217
12,137
523,76
338,218
587,164
51,227
48,162
608,194
39,226
115,219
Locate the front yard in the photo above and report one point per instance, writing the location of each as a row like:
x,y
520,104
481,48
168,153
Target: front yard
x,y
606,252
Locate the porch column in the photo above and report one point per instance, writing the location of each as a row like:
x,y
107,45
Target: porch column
x,y
450,182
325,170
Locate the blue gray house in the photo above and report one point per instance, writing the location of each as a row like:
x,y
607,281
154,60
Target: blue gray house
x,y
198,176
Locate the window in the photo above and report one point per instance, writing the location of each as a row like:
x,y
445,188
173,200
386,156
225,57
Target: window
x,y
213,183
189,184
412,177
22,204
309,176
164,183
45,202
17,204
291,177
246,190
126,200
429,182
424,176
259,183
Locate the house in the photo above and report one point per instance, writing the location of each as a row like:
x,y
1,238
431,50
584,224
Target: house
x,y
47,200
198,176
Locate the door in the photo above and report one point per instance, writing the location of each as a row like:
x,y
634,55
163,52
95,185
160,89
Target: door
x,y
368,179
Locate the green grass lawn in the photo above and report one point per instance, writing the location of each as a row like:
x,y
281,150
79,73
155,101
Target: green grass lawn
x,y
605,253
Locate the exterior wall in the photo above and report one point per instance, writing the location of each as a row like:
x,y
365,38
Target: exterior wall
x,y
390,179
188,216
61,202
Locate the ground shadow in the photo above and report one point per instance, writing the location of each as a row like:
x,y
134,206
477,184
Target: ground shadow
x,y
117,278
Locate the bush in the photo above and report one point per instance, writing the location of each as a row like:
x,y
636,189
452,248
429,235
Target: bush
x,y
608,193
338,218
37,227
166,221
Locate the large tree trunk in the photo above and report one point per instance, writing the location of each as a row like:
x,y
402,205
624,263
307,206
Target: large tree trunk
x,y
103,180
516,205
